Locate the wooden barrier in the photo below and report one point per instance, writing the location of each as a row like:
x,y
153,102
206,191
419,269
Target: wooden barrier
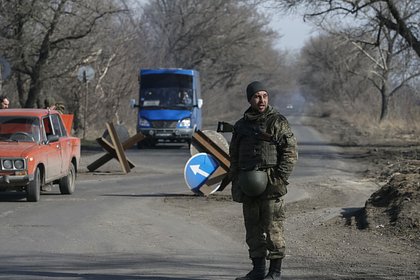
x,y
115,150
204,144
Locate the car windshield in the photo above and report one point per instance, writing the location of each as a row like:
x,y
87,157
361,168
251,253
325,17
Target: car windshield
x,y
166,97
20,129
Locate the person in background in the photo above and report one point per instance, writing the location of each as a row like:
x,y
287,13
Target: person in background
x,y
4,102
263,152
49,104
185,98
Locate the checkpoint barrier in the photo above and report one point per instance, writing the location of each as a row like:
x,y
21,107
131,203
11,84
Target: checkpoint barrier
x,y
197,171
218,172
205,146
115,150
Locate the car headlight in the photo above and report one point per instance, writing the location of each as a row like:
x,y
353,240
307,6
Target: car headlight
x,y
7,164
19,164
143,122
185,123
13,164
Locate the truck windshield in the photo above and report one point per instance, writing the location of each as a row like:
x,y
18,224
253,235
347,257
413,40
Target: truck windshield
x,y
166,90
166,97
21,129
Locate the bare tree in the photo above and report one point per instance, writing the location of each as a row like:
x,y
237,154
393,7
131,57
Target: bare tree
x,y
384,32
116,70
328,71
390,70
47,40
402,16
226,40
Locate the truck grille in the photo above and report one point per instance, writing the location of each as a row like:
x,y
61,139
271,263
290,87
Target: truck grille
x,y
164,124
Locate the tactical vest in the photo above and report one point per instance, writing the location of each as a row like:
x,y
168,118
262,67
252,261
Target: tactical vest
x,y
255,153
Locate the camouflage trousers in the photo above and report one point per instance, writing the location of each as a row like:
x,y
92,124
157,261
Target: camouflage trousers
x,y
264,228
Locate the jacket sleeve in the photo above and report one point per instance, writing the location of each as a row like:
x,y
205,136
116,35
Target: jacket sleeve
x,y
236,191
287,153
233,153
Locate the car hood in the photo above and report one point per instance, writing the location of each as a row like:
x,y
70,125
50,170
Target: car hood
x,y
16,149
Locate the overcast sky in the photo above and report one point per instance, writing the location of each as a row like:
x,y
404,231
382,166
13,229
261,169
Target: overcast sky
x,y
294,31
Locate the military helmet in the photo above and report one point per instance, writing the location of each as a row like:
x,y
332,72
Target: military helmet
x,y
253,183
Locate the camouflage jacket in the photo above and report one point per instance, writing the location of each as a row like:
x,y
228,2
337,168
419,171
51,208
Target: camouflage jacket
x,y
275,125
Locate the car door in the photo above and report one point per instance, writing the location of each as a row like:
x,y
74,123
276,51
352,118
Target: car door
x,y
53,150
65,143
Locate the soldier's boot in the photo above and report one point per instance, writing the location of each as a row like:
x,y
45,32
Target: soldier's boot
x,y
274,271
257,272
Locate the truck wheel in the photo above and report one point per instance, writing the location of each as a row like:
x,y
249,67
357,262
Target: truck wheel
x,y
33,191
67,184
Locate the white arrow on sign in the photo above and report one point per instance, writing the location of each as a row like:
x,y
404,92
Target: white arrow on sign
x,y
196,169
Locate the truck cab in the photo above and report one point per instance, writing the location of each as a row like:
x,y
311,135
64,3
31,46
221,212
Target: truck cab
x,y
169,107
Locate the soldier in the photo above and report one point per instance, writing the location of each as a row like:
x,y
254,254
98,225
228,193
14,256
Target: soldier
x,y
263,151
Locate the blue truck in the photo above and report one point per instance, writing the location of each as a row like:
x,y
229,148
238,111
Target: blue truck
x,y
169,107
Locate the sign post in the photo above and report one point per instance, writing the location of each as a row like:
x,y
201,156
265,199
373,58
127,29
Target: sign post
x,y
85,75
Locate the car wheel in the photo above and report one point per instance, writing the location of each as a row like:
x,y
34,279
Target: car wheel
x,y
33,192
67,183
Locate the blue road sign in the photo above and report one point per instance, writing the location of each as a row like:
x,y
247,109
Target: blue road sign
x,y
198,169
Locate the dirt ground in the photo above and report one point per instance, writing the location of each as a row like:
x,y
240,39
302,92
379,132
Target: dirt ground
x,y
327,241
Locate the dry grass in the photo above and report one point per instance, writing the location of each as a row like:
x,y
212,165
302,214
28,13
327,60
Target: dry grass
x,y
364,128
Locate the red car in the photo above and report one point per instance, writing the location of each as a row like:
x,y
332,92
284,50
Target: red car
x,y
37,151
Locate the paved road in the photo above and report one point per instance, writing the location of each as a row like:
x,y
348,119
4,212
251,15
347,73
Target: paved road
x,y
114,225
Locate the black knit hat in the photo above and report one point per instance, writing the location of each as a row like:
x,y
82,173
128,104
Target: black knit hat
x,y
254,87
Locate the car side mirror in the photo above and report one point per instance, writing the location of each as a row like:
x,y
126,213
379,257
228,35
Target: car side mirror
x,y
52,138
133,104
200,103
